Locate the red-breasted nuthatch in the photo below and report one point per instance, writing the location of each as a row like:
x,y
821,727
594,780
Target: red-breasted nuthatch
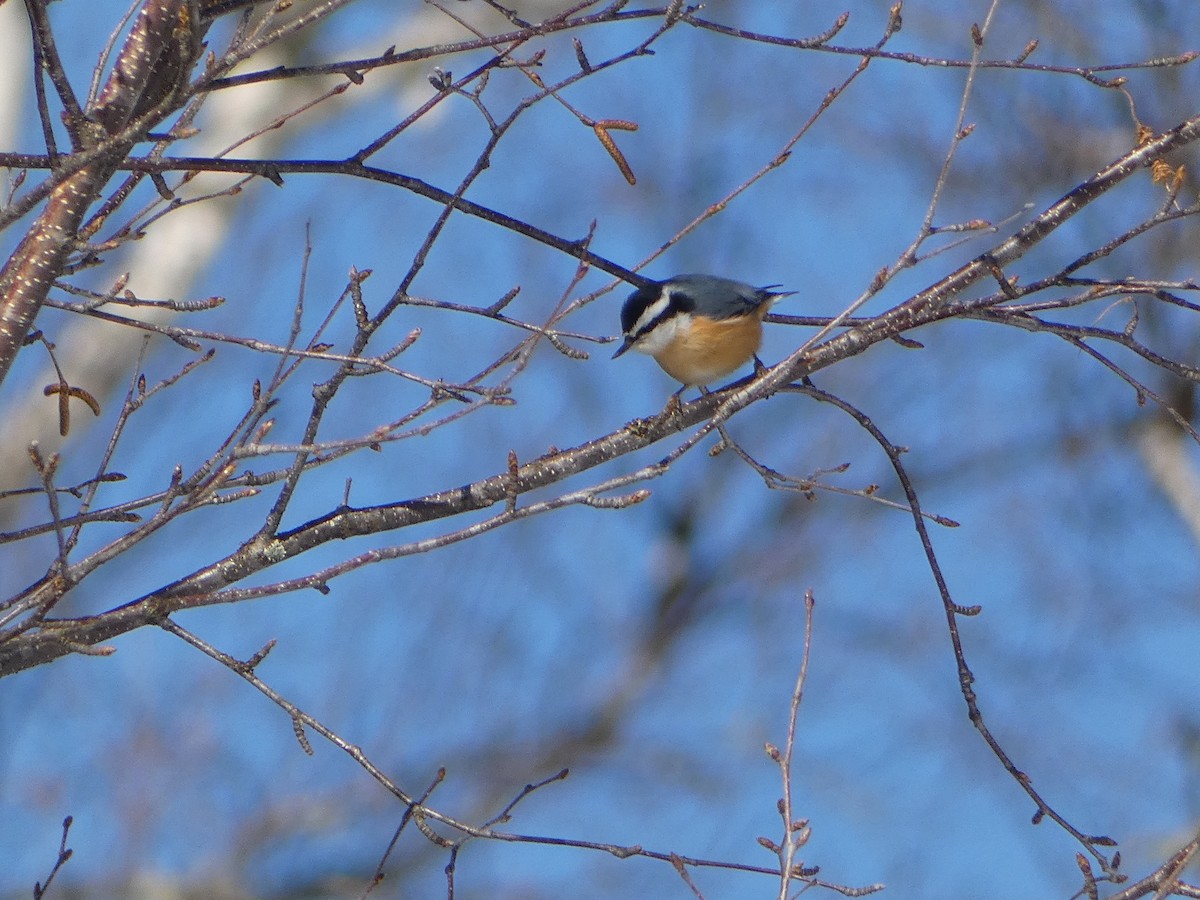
x,y
697,327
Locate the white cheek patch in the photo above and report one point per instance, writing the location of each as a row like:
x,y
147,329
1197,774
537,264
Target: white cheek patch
x,y
666,332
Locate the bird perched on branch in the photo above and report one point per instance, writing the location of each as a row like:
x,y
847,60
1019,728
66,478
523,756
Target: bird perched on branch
x,y
699,328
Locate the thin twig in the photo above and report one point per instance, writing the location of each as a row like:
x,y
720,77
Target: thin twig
x,y
953,610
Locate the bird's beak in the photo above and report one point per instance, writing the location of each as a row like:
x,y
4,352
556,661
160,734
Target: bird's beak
x,y
625,345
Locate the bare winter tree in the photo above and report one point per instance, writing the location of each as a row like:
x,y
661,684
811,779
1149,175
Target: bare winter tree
x,y
420,466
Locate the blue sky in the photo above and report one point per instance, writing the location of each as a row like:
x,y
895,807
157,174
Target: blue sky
x,y
499,658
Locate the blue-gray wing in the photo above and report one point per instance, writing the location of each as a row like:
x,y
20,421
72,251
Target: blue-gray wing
x,y
721,298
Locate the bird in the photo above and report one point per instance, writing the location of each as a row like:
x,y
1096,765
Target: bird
x,y
698,328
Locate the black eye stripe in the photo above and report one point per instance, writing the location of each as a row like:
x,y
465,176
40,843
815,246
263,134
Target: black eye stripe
x,y
667,313
679,303
682,302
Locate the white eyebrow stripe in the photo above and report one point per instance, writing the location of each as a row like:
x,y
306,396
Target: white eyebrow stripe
x,y
652,312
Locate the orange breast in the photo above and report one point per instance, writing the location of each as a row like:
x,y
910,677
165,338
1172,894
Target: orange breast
x,y
712,349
